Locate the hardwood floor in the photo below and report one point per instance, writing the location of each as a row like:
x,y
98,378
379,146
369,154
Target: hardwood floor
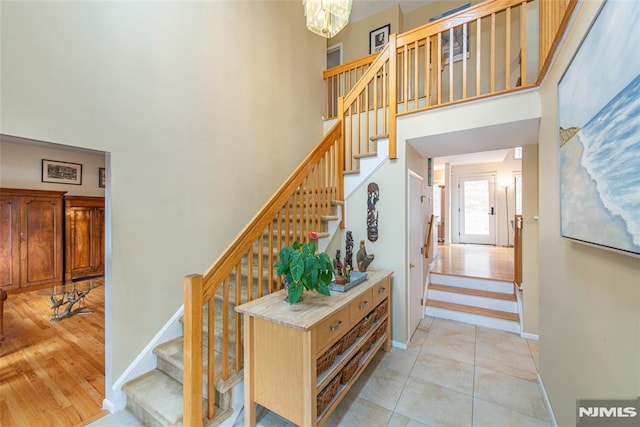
x,y
51,373
482,261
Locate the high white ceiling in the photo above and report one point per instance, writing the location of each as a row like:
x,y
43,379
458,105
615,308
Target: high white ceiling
x,y
363,8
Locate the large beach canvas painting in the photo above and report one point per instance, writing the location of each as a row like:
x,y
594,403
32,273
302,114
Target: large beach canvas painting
x,y
599,120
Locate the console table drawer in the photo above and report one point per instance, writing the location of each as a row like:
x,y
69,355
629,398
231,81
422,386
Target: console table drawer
x,y
361,307
333,327
380,291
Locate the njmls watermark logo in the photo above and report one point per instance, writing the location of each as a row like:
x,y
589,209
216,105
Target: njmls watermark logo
x,y
608,412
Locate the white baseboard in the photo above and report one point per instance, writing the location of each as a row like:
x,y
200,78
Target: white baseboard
x,y
547,403
144,362
528,336
399,345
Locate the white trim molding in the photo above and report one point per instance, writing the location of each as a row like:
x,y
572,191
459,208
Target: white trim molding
x,y
144,362
547,403
399,345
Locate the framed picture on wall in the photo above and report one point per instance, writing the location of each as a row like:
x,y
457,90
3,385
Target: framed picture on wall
x,y
379,38
598,147
102,177
57,172
460,34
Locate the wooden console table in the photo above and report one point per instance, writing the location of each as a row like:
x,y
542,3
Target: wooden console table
x,y
285,345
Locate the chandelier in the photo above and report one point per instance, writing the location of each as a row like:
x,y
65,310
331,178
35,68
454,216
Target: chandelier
x,y
327,17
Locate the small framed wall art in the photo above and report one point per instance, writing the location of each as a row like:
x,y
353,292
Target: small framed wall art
x,y
57,172
379,38
102,178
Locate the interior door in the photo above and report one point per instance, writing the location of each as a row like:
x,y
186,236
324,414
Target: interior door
x,y
477,209
416,233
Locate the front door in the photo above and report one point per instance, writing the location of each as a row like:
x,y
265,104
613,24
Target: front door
x,y
477,209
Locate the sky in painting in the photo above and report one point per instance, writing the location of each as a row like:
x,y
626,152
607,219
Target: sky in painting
x,y
607,61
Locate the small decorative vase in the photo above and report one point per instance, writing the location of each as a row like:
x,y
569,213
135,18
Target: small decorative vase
x,y
340,280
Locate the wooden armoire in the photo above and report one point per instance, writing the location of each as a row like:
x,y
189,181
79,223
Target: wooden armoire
x,y
31,238
84,237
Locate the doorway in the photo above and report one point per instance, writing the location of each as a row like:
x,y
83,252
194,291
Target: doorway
x,y
416,257
477,209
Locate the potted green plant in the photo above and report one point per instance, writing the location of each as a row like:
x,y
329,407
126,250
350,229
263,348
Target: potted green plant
x,y
303,269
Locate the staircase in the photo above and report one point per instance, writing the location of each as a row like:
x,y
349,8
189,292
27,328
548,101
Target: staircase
x,y
156,397
482,302
244,271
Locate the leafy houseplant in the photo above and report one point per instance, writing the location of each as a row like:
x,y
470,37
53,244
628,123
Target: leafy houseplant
x,y
303,269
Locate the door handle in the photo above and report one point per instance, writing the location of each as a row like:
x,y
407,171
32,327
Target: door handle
x,y
492,211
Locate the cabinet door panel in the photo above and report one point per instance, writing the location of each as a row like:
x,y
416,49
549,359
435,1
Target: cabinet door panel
x,y
9,242
41,254
81,239
99,230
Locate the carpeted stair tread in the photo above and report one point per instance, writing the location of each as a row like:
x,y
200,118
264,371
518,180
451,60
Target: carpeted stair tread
x,y
171,361
156,399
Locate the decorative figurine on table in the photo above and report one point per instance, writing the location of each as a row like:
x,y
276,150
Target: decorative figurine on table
x,y
347,272
362,258
348,260
337,268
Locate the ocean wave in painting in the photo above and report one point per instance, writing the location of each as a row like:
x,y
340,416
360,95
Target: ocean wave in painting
x,y
608,148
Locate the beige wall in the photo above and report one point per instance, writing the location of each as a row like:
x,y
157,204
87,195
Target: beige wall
x,y
589,297
21,166
390,248
418,17
530,295
355,36
204,107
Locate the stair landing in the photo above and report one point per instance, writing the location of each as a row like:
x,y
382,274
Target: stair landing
x,y
478,261
474,284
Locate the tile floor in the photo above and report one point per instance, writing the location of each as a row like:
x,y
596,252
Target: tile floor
x,y
452,374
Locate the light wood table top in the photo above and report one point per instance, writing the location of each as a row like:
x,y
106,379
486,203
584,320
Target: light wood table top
x,y
312,309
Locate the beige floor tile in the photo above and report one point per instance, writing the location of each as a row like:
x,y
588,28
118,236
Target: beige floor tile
x,y
502,340
359,412
434,405
398,360
417,340
445,372
487,414
450,347
383,387
516,364
515,393
398,420
534,347
453,330
425,323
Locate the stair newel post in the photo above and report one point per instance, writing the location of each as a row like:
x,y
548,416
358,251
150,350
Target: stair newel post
x,y
341,150
192,381
392,87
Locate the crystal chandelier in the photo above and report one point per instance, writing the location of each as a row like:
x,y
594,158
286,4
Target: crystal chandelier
x,y
327,17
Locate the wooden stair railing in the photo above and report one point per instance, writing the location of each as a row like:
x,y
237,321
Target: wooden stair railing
x,y
517,251
297,208
419,76
427,243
